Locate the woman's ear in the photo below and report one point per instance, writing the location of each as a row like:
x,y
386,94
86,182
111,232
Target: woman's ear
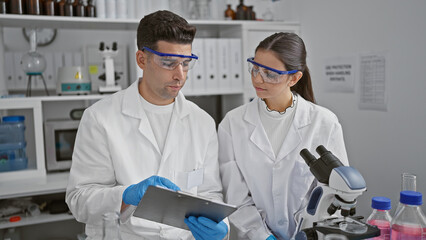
x,y
295,78
141,59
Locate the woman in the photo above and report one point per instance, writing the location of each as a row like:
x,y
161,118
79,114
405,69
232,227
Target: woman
x,y
259,142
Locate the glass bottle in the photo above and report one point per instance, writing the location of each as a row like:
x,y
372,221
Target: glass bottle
x,y
3,7
49,7
90,9
251,15
409,223
69,8
229,13
79,8
16,6
241,11
34,7
380,217
408,183
60,8
111,226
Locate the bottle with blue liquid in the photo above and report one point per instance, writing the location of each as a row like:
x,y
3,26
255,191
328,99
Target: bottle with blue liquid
x,y
381,217
409,223
12,144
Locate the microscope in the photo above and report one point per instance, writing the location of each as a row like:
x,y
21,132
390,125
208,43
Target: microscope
x,y
339,187
110,75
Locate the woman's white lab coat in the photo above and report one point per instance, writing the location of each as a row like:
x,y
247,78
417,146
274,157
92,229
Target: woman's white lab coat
x,y
115,147
271,190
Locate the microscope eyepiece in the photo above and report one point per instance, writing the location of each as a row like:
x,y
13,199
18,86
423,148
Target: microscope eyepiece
x,y
102,46
321,150
309,158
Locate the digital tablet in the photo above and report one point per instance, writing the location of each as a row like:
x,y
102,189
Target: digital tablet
x,y
171,207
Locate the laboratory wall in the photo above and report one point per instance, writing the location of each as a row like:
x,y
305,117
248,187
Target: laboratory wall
x,y
381,144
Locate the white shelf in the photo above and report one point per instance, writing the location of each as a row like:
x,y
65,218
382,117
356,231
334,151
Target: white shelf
x,y
42,218
51,183
40,21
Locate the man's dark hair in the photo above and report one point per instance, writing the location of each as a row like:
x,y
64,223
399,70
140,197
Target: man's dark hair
x,y
164,26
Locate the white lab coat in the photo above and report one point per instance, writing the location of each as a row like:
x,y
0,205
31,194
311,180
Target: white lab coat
x,y
115,147
272,191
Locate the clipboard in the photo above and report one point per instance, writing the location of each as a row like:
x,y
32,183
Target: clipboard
x,y
170,207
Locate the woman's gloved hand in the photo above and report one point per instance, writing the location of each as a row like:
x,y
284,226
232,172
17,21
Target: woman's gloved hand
x,y
134,193
205,229
271,237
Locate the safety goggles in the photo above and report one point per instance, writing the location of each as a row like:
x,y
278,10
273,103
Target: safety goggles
x,y
170,61
269,75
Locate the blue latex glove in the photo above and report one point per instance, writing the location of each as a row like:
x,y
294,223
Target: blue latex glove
x,y
271,237
205,229
134,193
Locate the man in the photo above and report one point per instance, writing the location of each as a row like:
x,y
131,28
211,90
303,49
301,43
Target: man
x,y
147,134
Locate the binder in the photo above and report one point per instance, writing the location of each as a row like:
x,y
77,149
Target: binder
x,y
223,63
236,64
198,73
211,60
20,75
9,70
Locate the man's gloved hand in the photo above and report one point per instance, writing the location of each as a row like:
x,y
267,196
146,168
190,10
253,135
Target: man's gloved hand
x,y
134,193
205,229
271,237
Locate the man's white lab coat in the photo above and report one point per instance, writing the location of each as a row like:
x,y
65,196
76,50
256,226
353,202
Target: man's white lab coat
x,y
115,147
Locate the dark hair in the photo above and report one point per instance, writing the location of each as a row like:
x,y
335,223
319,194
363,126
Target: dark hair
x,y
290,49
164,26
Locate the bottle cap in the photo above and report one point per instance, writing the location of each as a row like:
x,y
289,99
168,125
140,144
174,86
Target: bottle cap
x,y
13,119
411,198
381,203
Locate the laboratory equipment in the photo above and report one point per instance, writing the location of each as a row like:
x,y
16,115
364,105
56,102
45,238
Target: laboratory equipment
x,y
380,217
33,63
408,183
111,226
12,144
73,80
110,75
59,138
338,188
409,223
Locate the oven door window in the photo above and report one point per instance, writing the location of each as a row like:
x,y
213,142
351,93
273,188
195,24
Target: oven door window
x,y
64,142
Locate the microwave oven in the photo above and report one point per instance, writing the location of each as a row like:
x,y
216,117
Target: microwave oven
x,y
59,138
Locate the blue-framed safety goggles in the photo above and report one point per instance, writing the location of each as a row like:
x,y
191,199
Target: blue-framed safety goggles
x,y
170,61
269,75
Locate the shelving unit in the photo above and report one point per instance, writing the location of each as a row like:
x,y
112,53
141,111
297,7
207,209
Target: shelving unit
x,y
37,181
42,218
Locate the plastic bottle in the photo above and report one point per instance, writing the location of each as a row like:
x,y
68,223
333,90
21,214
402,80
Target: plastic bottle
x,y
12,144
408,183
409,223
111,226
380,217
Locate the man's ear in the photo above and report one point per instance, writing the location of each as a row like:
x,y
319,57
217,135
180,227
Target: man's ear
x,y
141,59
295,78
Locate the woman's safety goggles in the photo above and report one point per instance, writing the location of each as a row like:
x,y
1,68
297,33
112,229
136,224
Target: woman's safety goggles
x,y
269,75
170,61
